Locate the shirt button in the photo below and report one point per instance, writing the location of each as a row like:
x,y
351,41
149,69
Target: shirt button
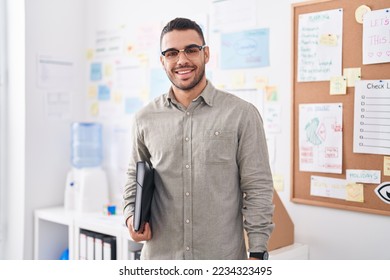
x,y
216,133
187,113
187,193
187,248
187,221
187,139
187,166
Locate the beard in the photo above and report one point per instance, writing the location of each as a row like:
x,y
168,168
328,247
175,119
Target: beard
x,y
190,86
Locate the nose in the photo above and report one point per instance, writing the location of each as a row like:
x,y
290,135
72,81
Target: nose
x,y
182,57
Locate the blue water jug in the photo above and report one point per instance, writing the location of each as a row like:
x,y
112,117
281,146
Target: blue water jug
x,y
87,149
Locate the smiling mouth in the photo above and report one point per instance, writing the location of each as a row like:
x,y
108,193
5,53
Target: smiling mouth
x,y
184,71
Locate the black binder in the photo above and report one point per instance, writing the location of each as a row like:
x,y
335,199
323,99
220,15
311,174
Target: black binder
x,y
143,194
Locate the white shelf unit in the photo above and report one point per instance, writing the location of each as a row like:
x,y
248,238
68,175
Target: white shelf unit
x,y
53,233
57,229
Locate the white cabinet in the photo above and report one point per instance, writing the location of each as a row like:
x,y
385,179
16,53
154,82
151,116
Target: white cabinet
x,y
53,233
57,229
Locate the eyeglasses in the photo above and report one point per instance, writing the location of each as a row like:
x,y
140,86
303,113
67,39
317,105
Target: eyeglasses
x,y
191,52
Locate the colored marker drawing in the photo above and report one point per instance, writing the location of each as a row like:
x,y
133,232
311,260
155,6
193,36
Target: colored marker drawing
x,y
315,132
320,137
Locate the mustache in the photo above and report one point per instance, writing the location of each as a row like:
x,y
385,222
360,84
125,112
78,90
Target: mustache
x,y
184,67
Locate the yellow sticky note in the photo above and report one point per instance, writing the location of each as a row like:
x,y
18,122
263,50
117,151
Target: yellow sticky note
x,y
108,70
117,97
89,54
338,85
94,109
386,166
92,92
278,182
329,40
261,82
143,59
355,192
352,75
360,12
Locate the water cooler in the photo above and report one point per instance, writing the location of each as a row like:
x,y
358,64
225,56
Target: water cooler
x,y
86,187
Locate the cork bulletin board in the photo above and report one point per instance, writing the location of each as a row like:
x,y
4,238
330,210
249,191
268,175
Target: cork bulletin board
x,y
313,92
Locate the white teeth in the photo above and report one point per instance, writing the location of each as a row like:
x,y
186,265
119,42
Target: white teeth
x,y
184,72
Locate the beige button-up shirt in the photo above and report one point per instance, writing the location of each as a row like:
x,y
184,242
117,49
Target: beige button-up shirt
x,y
213,177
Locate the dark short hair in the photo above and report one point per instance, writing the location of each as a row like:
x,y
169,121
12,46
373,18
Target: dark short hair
x,y
182,24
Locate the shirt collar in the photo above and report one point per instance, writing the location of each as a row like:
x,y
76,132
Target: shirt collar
x,y
207,95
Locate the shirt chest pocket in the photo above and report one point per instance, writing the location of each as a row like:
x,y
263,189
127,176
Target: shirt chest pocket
x,y
219,147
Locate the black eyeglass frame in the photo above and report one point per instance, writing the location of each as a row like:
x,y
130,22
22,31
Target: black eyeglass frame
x,y
184,50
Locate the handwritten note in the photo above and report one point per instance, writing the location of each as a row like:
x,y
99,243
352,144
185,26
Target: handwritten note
x,y
352,75
376,37
328,187
386,166
328,40
320,45
364,176
338,85
355,192
278,182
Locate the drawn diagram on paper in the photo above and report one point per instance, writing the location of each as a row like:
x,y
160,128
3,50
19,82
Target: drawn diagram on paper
x,y
320,137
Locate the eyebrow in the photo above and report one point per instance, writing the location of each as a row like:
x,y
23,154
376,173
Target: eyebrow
x,y
188,46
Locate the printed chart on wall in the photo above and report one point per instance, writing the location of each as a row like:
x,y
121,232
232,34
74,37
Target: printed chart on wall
x,y
372,117
320,137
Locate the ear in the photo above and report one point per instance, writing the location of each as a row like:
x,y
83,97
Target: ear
x,y
206,54
162,60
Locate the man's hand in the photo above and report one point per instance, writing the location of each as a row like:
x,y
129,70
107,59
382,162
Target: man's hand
x,y
144,234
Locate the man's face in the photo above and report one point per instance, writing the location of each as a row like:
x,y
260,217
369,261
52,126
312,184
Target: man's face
x,y
184,73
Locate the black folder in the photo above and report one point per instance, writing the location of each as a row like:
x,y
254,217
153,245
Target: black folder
x,y
143,194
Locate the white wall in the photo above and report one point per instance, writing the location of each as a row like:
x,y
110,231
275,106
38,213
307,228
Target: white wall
x,y
15,159
60,27
39,147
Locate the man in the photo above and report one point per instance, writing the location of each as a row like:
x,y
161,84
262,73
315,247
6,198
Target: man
x,y
209,151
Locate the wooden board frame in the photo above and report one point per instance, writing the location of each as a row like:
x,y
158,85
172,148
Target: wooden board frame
x,y
318,92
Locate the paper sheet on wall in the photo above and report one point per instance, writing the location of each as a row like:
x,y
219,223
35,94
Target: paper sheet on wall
x,y
272,117
233,15
254,96
372,117
58,105
363,176
245,49
55,73
376,37
320,45
328,187
320,137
